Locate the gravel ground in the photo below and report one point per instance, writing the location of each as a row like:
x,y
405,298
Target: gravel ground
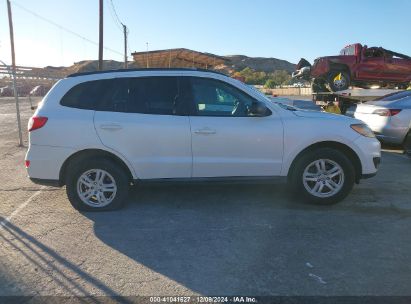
x,y
202,239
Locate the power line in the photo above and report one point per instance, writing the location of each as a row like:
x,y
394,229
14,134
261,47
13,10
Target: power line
x,y
123,27
114,15
63,28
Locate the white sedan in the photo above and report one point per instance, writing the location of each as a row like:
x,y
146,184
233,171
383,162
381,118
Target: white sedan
x,y
389,116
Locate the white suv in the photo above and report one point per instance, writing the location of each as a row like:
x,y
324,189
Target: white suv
x,y
100,132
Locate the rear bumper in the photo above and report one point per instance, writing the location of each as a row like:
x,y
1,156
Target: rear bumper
x,y
46,162
390,139
387,129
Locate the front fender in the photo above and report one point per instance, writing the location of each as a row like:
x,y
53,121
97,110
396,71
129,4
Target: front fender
x,y
291,155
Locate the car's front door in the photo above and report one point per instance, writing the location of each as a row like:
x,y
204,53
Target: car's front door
x,y
226,140
144,120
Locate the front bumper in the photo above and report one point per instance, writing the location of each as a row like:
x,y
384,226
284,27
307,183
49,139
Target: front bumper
x,y
377,162
369,153
303,73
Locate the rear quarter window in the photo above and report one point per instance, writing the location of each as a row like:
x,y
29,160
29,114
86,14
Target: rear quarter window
x,y
83,96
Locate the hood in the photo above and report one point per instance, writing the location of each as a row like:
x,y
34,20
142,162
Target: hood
x,y
329,57
324,115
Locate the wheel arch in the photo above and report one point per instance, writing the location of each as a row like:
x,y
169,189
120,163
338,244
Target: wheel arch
x,y
350,153
92,153
336,66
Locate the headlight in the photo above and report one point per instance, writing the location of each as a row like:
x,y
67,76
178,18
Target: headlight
x,y
363,129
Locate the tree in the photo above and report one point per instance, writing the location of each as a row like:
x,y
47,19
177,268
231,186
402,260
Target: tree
x,y
252,77
270,84
281,77
277,78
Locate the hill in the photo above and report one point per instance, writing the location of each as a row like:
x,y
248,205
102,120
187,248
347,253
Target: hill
x,y
234,63
259,64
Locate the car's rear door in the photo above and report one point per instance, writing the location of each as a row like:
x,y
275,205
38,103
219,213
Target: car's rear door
x,y
226,140
144,120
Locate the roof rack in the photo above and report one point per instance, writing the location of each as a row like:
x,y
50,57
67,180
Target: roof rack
x,y
147,69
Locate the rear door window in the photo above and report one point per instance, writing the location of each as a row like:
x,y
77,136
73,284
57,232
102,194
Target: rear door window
x,y
156,95
114,95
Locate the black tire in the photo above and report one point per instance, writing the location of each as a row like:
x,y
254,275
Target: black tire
x,y
342,85
318,86
296,182
402,86
120,177
407,144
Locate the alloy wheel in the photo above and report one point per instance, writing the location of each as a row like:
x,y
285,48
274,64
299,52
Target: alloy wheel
x,y
96,188
323,178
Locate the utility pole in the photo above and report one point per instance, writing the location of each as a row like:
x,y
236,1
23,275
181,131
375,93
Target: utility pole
x,y
125,45
100,37
147,65
13,67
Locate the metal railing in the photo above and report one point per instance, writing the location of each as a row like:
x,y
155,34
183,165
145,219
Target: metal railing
x,y
13,76
32,72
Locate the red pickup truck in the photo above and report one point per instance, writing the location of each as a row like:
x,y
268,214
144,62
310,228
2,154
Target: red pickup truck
x,y
357,65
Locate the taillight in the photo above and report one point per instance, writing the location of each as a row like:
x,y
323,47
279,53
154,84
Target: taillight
x,y
27,163
387,112
36,122
394,111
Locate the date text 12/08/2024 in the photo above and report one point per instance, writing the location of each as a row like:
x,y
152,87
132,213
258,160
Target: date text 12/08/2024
x,y
203,299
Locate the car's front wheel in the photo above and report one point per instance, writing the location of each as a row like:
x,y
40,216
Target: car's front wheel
x,y
97,185
318,86
323,176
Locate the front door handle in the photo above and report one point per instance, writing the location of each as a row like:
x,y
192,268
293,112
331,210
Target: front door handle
x,y
111,127
205,131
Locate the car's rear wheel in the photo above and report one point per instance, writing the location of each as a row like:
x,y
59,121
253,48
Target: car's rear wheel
x,y
323,176
338,81
97,185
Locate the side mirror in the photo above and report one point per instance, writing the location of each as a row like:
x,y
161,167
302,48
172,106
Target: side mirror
x,y
259,109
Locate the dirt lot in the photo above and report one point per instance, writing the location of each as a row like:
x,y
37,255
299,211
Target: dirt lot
x,y
209,239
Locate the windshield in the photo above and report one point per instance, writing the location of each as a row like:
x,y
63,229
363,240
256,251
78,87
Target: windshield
x,y
259,93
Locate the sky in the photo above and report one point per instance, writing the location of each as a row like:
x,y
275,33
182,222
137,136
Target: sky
x,y
281,29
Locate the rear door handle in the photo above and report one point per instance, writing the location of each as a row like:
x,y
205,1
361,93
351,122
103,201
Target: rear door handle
x,y
111,127
205,131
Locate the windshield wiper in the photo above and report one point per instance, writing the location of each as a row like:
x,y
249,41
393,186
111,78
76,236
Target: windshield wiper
x,y
286,107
